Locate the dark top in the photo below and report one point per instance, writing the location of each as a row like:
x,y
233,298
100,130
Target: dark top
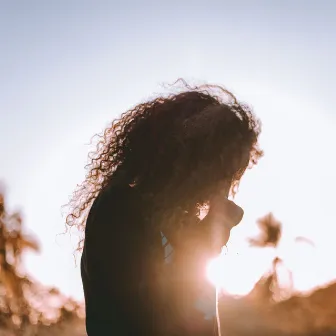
x,y
116,272
113,267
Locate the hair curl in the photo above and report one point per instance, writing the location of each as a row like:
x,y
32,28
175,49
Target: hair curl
x,y
174,149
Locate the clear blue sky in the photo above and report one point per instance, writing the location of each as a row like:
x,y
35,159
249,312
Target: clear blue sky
x,y
67,68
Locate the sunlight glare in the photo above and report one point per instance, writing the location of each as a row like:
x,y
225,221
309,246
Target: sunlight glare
x,y
227,272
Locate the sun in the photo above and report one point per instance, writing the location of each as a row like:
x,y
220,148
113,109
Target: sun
x,y
222,274
236,273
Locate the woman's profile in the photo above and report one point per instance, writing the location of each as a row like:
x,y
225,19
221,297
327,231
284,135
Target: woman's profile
x,y
153,171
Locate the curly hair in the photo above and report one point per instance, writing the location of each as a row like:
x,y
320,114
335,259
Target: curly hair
x,y
174,149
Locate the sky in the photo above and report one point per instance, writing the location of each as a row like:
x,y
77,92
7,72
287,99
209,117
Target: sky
x,y
68,68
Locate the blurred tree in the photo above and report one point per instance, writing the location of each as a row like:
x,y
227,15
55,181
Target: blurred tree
x,y
261,313
269,287
27,307
12,244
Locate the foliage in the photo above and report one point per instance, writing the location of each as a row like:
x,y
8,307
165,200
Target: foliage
x,y
27,307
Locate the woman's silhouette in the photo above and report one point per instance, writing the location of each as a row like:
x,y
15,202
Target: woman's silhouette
x,y
153,171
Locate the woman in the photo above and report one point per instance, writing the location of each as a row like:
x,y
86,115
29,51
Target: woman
x,y
154,170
